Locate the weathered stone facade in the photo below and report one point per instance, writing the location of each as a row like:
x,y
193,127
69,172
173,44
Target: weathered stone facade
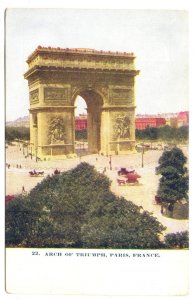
x,y
106,81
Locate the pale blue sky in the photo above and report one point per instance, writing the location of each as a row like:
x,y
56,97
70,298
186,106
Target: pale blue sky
x,y
159,38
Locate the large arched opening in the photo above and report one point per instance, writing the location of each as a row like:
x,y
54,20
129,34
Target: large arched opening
x,y
89,103
80,114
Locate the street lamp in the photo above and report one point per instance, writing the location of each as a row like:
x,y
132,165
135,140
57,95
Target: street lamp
x,y
142,162
27,150
110,162
36,154
80,147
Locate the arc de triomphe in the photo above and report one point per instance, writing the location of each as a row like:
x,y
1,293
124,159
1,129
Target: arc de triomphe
x,y
106,81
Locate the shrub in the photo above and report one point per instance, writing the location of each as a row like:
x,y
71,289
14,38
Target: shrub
x,y
177,240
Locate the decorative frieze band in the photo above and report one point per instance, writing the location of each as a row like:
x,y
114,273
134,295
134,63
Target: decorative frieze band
x,y
56,94
121,96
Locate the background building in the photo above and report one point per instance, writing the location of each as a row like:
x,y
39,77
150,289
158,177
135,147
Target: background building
x,y
81,122
183,118
171,119
142,123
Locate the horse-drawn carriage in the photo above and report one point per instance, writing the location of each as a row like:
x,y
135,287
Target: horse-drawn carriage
x,y
127,177
36,173
124,171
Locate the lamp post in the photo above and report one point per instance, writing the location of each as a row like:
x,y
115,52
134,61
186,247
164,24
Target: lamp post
x,y
110,162
142,162
80,147
36,154
27,150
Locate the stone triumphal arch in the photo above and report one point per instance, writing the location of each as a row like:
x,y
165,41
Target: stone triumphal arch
x,y
106,81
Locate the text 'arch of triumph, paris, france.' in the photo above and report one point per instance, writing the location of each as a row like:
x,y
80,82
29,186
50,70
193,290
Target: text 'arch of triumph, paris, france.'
x,y
105,80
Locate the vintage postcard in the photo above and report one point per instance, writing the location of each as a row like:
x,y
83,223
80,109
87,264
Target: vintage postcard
x,y
97,173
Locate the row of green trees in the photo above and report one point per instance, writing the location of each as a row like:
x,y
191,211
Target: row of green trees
x,y
165,133
23,133
13,133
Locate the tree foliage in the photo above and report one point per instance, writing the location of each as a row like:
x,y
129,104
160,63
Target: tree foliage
x,y
165,133
177,240
13,133
77,209
173,184
81,134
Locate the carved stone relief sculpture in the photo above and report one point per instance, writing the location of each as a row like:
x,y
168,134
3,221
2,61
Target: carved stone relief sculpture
x,y
57,131
122,126
34,96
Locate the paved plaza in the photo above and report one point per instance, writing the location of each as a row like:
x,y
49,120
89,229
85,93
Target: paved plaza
x,y
142,194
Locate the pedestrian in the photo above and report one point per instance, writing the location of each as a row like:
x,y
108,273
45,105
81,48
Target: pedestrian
x,y
20,166
23,189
